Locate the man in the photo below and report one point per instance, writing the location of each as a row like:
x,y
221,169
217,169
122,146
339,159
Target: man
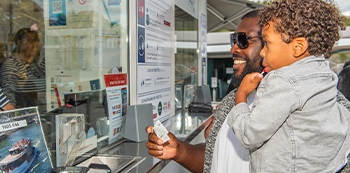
x,y
222,151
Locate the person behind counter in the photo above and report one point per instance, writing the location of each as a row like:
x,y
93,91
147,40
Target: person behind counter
x,y
20,75
222,152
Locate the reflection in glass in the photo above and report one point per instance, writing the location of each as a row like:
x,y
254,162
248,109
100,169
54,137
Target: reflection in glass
x,y
186,57
54,53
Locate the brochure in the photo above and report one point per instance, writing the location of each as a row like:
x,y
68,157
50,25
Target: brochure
x,y
22,143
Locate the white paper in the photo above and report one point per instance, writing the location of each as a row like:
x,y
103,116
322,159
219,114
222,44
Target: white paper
x,y
161,131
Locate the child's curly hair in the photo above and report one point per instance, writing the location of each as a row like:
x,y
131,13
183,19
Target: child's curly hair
x,y
316,20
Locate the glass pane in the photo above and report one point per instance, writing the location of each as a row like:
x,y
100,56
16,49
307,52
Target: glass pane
x,y
338,58
54,54
186,58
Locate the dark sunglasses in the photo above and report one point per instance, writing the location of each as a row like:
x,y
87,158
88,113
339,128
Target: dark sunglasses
x,y
241,39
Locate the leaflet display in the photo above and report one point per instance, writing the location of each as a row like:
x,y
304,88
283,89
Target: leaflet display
x,y
116,93
70,135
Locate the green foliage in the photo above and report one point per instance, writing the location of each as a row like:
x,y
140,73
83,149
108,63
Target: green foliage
x,y
347,22
265,1
343,57
223,31
16,114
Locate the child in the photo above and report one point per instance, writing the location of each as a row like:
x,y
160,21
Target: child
x,y
295,124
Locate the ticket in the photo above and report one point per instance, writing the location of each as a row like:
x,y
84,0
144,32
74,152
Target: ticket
x,y
161,131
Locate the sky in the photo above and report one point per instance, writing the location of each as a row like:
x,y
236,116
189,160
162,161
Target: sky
x,y
343,5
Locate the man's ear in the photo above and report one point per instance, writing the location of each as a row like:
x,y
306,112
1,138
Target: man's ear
x,y
300,46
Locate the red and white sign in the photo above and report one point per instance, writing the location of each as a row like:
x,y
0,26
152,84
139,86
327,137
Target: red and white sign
x,y
141,8
112,80
117,101
82,2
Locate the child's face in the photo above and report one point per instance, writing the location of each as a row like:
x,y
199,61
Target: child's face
x,y
276,52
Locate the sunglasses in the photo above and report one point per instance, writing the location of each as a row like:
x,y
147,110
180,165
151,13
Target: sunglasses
x,y
241,39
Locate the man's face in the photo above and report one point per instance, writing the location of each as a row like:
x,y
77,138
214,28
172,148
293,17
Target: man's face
x,y
247,60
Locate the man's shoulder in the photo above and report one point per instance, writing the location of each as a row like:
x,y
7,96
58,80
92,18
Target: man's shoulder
x,y
341,99
231,95
227,102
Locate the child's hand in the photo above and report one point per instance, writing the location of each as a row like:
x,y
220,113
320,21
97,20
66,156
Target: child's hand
x,y
248,84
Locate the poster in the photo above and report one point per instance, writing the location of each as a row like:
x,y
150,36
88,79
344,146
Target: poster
x,y
154,56
106,49
70,14
57,13
23,146
203,36
67,52
112,8
190,6
116,93
66,57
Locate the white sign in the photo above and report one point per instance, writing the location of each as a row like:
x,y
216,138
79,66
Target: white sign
x,y
203,36
13,125
154,56
214,82
229,70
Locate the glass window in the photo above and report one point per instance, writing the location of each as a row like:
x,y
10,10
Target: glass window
x,y
338,58
54,54
186,57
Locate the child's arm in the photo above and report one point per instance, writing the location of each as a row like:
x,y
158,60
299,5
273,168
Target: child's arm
x,y
248,84
275,100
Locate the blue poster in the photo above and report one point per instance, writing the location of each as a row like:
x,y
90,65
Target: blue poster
x,y
95,84
141,44
112,8
57,13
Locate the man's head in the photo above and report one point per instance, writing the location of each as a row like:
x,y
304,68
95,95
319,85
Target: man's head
x,y
315,20
246,59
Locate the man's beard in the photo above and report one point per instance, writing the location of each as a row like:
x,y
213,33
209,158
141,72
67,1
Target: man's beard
x,y
250,67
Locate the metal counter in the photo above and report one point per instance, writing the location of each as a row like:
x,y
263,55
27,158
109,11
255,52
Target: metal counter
x,y
185,126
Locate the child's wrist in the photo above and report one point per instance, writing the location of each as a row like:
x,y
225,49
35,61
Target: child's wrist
x,y
242,92
241,96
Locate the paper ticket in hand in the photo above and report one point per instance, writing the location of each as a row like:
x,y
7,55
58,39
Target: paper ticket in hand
x,y
161,131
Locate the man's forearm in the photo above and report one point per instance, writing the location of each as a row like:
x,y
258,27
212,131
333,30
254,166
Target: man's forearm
x,y
191,156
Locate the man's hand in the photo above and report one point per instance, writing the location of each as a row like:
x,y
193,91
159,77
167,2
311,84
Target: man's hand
x,y
157,149
248,84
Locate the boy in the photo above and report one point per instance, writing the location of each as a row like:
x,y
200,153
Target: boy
x,y
295,124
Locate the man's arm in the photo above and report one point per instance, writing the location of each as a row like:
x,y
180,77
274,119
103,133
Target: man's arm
x,y
189,156
341,99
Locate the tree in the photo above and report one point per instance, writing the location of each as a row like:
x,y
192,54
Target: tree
x,y
265,1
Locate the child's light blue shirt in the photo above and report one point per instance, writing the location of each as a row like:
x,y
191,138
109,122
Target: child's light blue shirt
x,y
295,124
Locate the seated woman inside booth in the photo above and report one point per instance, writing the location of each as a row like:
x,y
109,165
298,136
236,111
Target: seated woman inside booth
x,y
21,76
